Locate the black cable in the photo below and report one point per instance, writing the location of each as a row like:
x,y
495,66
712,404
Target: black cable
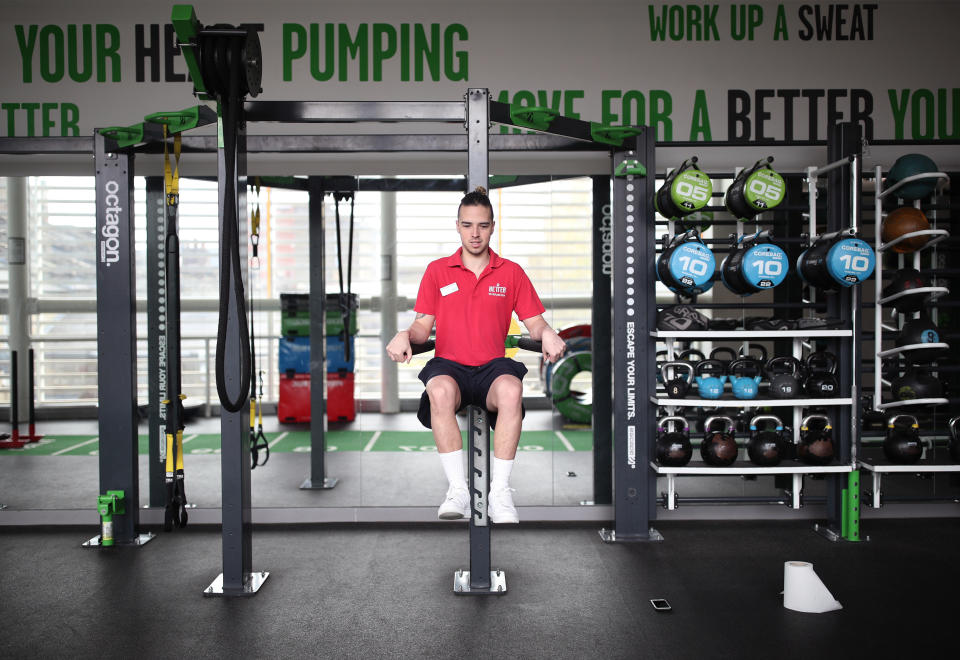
x,y
227,52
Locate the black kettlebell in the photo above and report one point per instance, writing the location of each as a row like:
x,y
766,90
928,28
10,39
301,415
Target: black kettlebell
x,y
673,447
676,386
902,444
756,352
723,354
691,355
915,384
816,440
954,439
719,446
659,360
766,447
820,380
783,372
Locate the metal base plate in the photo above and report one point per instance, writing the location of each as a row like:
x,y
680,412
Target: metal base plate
x,y
610,536
831,534
326,484
140,539
461,584
251,584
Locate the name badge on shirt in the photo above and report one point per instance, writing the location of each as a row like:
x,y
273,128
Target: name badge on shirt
x,y
450,288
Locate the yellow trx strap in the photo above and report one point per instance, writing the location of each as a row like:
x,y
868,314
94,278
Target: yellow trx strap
x,y
171,177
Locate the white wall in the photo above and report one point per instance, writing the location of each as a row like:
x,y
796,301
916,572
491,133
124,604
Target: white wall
x,y
891,63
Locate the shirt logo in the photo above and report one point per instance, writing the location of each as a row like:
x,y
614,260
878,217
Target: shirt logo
x,y
497,290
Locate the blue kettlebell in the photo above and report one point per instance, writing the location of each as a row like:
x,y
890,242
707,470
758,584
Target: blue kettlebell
x,y
710,378
745,378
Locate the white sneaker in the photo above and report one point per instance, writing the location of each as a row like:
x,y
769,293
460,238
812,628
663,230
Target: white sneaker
x,y
500,507
457,504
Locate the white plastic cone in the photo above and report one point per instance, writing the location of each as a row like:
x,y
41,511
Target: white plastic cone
x,y
803,591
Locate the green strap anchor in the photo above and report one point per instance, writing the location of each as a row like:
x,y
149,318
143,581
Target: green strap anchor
x,y
630,167
538,118
107,506
178,121
187,27
613,135
500,180
124,136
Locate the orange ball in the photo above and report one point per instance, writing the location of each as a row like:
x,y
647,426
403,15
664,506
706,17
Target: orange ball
x,y
904,220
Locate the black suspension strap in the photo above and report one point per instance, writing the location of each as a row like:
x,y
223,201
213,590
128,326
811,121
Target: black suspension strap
x,y
345,299
221,61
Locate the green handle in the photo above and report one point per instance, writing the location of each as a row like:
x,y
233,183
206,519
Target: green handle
x,y
178,121
630,166
125,136
613,135
538,118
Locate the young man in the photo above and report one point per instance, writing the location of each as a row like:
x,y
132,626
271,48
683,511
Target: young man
x,y
470,296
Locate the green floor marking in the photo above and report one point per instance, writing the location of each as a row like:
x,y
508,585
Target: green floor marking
x,y
406,441
299,441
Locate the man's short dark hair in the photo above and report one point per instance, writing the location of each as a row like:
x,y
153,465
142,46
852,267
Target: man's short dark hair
x,y
476,197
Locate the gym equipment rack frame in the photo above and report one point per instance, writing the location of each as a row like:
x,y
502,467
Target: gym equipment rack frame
x,y
880,466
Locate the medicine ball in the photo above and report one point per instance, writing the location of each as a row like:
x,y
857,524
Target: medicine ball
x,y
919,331
909,165
905,280
915,384
905,220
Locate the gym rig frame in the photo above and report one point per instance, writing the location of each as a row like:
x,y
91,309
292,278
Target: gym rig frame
x,y
633,426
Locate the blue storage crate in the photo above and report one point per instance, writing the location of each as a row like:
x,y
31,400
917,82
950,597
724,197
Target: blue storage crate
x,y
294,355
336,355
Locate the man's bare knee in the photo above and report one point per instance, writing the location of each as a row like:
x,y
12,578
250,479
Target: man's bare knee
x,y
443,393
506,393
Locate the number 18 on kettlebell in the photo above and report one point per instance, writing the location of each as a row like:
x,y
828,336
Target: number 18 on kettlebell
x,y
745,378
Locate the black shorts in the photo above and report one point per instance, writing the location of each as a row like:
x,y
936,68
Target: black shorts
x,y
474,382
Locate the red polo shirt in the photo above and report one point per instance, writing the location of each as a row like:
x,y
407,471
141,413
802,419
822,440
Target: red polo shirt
x,y
473,313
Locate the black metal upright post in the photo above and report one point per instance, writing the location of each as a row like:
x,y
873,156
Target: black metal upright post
x,y
844,140
156,337
634,317
237,579
318,372
117,338
480,579
600,345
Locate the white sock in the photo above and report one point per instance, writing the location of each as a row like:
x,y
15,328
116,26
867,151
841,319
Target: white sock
x,y
500,473
452,463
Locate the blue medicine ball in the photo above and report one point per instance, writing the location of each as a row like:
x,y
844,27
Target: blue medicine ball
x,y
909,165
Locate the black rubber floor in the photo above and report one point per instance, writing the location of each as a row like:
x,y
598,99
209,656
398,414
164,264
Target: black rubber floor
x,y
386,592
